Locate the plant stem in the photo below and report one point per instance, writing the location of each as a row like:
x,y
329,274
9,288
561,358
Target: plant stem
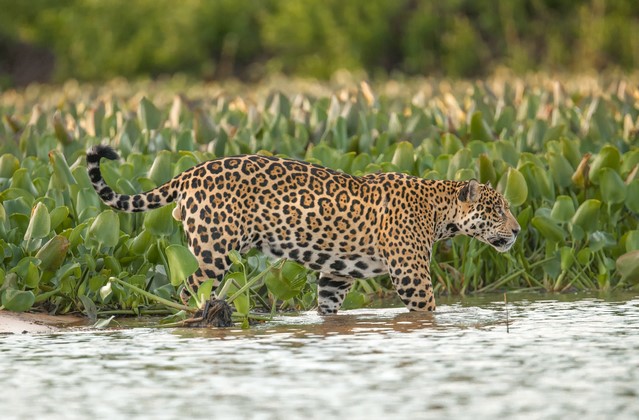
x,y
132,312
254,280
153,297
511,276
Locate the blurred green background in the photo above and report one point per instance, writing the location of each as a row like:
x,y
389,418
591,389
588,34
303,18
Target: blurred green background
x,y
53,40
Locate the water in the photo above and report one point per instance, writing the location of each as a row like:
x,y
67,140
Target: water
x,y
562,358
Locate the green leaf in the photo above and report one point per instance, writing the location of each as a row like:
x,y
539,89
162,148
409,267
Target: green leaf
x,y
18,300
479,128
141,243
149,115
460,160
235,257
584,256
60,130
563,209
241,301
39,224
53,253
560,169
586,215
3,222
613,189
404,157
32,278
548,229
629,161
61,178
87,198
105,229
516,190
628,266
8,165
567,257
161,171
90,309
176,317
554,132
570,150
181,263
75,235
22,267
29,141
206,130
538,181
599,240
184,163
632,240
112,265
160,221
464,175
536,133
22,179
524,216
360,162
58,215
505,151
608,157
205,289
477,147
506,119
441,164
486,169
394,125
354,300
450,145
287,282
632,196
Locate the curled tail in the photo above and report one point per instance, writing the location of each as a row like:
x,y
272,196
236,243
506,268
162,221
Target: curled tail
x,y
157,197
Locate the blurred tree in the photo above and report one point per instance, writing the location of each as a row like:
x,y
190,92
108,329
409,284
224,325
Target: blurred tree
x,y
96,40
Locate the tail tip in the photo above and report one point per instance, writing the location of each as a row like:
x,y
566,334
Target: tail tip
x,y
95,153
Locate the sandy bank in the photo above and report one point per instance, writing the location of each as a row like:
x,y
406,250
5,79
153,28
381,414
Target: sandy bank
x,y
24,323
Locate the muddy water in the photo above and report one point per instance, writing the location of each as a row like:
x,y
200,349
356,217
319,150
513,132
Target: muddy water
x,y
562,357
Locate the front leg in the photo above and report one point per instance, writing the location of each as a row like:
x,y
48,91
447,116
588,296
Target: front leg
x,y
410,273
331,291
405,244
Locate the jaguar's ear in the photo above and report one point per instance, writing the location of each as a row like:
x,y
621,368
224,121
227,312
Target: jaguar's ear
x,y
469,192
488,184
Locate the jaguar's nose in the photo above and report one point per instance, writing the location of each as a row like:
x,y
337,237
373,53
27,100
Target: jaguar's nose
x,y
515,231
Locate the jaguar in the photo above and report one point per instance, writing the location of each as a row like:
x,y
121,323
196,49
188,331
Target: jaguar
x,y
345,227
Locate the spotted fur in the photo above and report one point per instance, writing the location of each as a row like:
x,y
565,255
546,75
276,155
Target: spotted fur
x,y
343,226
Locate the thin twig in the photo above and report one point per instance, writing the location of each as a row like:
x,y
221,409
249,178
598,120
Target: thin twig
x,y
507,320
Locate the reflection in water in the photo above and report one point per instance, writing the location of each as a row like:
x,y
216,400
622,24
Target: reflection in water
x,y
560,359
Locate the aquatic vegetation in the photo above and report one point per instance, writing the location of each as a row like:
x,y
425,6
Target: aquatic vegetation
x,y
564,153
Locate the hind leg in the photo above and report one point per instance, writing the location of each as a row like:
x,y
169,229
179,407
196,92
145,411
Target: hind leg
x,y
331,291
211,256
196,279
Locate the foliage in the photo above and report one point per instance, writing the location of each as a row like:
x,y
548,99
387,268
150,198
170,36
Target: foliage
x,y
564,153
95,40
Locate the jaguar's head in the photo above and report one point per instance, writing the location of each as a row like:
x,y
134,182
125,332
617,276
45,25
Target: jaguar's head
x,y
484,213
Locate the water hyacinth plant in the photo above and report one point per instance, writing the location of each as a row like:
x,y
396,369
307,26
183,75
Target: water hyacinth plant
x,y
563,153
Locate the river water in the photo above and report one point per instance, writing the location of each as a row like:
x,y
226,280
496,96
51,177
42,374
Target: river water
x,y
556,357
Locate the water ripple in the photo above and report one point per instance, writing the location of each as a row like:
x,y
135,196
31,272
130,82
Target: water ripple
x,y
560,358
